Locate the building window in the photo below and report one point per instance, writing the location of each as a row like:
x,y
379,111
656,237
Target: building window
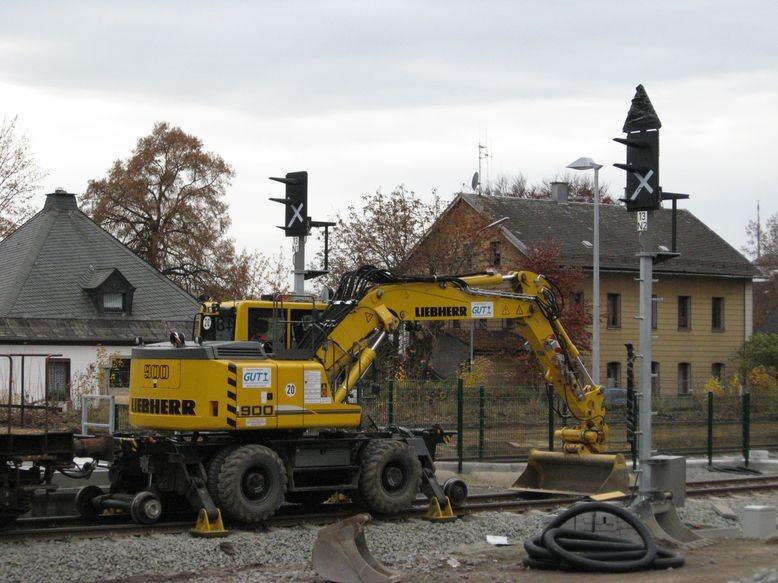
x,y
508,323
717,316
119,375
495,249
717,370
58,381
483,324
578,298
684,312
655,386
113,302
684,378
654,311
456,324
613,374
614,311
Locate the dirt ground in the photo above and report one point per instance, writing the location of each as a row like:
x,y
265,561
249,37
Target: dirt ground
x,y
720,560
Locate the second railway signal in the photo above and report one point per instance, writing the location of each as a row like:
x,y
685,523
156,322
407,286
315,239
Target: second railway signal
x,y
642,128
296,201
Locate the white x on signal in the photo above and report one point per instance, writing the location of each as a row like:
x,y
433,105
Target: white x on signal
x,y
643,184
296,215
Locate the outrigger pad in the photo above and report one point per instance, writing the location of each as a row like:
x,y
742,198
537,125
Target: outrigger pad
x,y
340,554
572,473
206,528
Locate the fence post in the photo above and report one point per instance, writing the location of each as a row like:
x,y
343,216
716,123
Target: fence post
x,y
710,429
390,403
460,423
632,407
746,427
481,421
550,401
84,415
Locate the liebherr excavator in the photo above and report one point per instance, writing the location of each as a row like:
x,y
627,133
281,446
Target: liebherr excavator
x,y
241,429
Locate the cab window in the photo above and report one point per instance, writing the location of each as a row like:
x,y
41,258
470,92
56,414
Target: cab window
x,y
217,327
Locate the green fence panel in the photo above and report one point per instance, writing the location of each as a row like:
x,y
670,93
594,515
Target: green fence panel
x,y
507,421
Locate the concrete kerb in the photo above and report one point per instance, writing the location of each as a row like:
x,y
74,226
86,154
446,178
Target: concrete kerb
x,y
503,474
481,473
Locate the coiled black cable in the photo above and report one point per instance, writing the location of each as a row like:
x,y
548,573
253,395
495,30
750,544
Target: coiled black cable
x,y
574,550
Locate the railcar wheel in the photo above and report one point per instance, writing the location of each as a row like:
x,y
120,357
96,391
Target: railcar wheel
x,y
252,483
389,477
84,501
145,508
456,490
7,519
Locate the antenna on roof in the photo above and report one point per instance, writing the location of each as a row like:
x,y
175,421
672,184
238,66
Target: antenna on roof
x,y
758,234
483,153
475,183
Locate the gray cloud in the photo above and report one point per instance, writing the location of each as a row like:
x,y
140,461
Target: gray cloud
x,y
288,58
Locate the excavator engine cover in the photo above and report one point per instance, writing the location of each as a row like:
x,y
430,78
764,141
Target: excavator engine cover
x,y
594,473
340,554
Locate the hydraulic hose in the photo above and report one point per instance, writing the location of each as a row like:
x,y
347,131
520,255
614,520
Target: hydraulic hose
x,y
576,550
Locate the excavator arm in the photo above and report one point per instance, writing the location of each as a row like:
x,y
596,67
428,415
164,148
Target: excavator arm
x,y
352,341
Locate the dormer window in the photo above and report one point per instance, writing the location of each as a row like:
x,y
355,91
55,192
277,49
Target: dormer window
x,y
109,290
113,302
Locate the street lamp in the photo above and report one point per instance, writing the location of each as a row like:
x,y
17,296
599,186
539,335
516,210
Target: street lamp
x,y
589,164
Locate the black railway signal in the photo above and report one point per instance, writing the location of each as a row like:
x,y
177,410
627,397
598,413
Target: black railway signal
x,y
642,128
297,223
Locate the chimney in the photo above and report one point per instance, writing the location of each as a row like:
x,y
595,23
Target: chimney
x,y
559,192
60,199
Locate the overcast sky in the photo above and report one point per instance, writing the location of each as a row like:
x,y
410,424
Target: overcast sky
x,y
367,95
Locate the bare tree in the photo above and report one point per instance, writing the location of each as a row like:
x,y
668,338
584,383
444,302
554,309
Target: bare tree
x,y
19,177
249,275
166,203
762,243
581,187
381,232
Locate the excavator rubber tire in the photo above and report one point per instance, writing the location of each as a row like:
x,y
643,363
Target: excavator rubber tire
x,y
214,468
252,483
390,476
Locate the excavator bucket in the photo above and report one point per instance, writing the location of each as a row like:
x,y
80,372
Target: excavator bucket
x,y
340,554
569,473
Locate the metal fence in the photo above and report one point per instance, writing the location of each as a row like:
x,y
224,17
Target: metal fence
x,y
506,422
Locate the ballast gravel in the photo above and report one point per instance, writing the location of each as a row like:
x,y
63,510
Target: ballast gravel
x,y
415,547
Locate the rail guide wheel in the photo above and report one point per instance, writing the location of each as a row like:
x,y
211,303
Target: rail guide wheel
x,y
146,507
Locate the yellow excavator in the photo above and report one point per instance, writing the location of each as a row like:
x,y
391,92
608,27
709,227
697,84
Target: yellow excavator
x,y
239,426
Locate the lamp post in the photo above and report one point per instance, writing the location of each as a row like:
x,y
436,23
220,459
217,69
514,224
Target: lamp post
x,y
589,164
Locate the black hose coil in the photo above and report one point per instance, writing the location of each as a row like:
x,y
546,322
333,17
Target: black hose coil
x,y
575,550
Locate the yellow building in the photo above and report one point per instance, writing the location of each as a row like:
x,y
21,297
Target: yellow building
x,y
703,298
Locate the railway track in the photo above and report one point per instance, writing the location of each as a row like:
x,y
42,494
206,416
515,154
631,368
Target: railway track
x,y
733,485
291,515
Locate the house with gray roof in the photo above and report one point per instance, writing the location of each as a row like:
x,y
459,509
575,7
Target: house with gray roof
x,y
72,301
702,311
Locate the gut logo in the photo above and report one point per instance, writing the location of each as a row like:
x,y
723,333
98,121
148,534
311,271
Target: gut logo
x,y
256,378
482,309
